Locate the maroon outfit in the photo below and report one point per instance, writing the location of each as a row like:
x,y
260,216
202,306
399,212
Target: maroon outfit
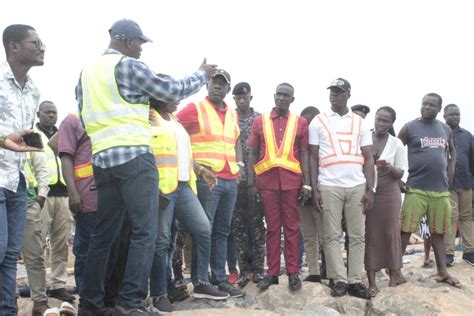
x,y
279,189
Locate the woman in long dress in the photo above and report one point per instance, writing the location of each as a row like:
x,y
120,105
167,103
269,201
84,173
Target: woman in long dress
x,y
382,228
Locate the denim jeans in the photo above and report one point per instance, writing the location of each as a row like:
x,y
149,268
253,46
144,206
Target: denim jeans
x,y
85,223
12,227
133,188
219,206
185,207
231,252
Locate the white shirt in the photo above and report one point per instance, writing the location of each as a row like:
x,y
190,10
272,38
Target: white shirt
x,y
394,153
182,142
17,113
339,175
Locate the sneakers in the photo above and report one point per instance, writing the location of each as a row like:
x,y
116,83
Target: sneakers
x,y
313,278
243,280
62,295
450,260
163,304
229,288
39,308
339,289
233,276
469,258
177,294
358,290
267,281
294,281
121,311
209,291
257,277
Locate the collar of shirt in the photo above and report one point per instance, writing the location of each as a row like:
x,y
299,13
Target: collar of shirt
x,y
8,73
348,114
46,132
223,109
274,114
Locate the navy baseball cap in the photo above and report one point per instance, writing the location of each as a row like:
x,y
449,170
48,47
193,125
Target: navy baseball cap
x,y
241,88
126,28
342,84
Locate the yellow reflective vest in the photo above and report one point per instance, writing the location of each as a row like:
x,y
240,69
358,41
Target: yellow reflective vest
x,y
165,149
110,121
214,144
281,157
52,161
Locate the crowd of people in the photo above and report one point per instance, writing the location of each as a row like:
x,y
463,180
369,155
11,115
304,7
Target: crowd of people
x,y
135,178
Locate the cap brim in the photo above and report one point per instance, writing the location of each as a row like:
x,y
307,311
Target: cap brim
x,y
146,39
338,88
226,79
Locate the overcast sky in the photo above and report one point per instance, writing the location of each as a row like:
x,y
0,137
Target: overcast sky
x,y
392,52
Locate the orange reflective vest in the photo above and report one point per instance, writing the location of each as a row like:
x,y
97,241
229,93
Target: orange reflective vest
x,y
165,149
215,142
345,145
83,171
281,157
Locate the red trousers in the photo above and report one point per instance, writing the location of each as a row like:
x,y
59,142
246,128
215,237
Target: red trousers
x,y
280,208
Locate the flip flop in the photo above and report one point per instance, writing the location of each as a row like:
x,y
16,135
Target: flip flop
x,y
428,264
53,311
373,291
449,280
67,310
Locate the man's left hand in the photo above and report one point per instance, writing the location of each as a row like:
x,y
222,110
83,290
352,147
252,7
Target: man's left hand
x,y
367,201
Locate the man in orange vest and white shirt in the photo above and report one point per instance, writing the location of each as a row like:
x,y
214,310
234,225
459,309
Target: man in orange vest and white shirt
x,y
279,157
214,131
342,177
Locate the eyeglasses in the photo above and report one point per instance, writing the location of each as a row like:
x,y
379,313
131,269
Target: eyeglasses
x,y
38,43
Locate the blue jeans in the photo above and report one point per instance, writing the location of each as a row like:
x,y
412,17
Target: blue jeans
x,y
185,207
12,228
85,223
133,188
219,206
231,252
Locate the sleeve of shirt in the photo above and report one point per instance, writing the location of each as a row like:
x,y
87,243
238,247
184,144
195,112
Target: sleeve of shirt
x,y
304,142
401,160
67,142
188,117
254,137
40,171
365,135
313,132
165,88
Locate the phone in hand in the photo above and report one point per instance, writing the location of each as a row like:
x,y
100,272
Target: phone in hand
x,y
33,140
380,163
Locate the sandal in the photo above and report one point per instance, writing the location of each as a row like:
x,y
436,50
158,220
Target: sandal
x,y
67,310
428,264
373,291
449,280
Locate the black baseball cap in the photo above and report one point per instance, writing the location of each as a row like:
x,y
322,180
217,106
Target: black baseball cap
x,y
222,73
360,107
342,84
241,88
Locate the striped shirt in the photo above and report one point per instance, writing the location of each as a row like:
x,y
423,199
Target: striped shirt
x,y
137,83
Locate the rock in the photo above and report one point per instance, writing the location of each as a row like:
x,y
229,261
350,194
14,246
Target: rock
x,y
224,312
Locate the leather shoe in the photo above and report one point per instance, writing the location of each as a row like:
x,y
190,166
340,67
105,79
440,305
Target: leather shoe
x,y
294,281
339,289
359,290
39,308
313,278
61,294
267,281
257,277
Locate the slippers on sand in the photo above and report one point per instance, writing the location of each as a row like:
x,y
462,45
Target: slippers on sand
x,y
428,264
449,280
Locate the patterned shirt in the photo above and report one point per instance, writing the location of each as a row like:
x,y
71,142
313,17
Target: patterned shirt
x,y
137,83
17,113
245,125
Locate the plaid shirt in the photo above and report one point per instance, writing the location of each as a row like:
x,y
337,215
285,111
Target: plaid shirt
x,y
137,83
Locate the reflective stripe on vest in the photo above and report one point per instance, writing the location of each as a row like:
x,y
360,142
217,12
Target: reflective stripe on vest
x,y
283,157
165,149
215,142
345,145
52,161
83,171
110,121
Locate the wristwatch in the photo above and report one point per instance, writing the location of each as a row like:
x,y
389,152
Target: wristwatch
x,y
371,189
240,164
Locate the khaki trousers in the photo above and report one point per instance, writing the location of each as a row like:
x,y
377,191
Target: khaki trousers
x,y
33,253
335,201
461,202
311,223
57,225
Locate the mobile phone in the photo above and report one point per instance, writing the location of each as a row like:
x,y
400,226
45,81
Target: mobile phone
x,y
380,163
164,202
33,140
